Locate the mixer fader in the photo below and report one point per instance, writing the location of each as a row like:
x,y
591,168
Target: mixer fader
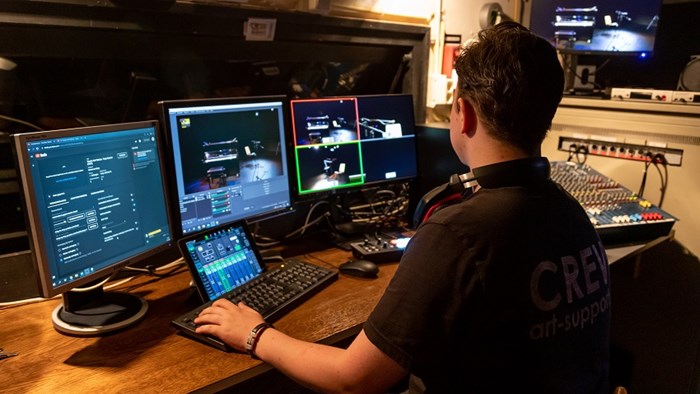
x,y
619,215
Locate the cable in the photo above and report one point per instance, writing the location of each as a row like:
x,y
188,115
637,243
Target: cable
x,y
382,217
642,186
95,286
301,230
82,122
570,69
321,260
265,242
262,241
15,120
659,158
384,211
576,152
174,267
9,304
583,150
174,264
572,151
605,63
153,271
273,258
270,242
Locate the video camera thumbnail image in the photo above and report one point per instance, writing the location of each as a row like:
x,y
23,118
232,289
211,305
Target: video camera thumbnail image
x,y
324,121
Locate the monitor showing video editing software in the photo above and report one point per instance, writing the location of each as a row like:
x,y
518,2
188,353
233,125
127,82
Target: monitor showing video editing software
x,y
589,27
95,202
348,142
229,159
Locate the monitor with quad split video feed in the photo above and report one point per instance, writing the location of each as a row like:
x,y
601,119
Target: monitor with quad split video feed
x,y
347,143
95,203
228,160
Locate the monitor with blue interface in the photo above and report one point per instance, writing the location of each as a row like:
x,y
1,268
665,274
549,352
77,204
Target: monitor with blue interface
x,y
352,142
228,160
95,202
589,27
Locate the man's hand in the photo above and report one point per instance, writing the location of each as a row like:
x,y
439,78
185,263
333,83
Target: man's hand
x,y
230,322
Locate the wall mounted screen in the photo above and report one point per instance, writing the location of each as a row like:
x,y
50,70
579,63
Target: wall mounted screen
x,y
604,27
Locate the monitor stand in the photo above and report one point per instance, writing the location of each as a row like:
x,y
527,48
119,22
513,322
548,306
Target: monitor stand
x,y
96,312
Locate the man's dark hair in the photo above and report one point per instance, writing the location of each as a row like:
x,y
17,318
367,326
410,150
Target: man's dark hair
x,y
514,80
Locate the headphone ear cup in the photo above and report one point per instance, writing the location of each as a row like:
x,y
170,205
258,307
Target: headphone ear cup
x,y
428,200
433,200
448,200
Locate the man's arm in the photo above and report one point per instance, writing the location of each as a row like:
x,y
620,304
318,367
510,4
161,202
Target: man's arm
x,y
362,367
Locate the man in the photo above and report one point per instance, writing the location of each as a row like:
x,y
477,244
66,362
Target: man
x,y
505,291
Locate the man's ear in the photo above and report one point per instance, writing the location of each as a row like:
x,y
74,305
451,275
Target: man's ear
x,y
467,116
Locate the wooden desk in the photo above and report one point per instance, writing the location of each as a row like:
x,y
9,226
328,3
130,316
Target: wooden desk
x,y
151,355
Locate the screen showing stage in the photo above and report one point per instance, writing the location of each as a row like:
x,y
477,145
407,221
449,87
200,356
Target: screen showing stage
x,y
229,159
349,142
614,26
95,200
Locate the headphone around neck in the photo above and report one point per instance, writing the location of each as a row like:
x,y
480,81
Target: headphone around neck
x,y
530,171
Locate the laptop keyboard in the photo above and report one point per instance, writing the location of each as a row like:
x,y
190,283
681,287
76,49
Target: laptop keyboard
x,y
273,294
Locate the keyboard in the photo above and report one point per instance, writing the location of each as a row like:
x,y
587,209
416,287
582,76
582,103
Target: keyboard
x,y
273,294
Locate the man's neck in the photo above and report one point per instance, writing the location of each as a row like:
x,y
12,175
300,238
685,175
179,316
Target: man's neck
x,y
496,153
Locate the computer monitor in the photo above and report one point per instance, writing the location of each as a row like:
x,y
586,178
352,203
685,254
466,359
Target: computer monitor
x,y
437,160
346,143
95,202
612,27
228,160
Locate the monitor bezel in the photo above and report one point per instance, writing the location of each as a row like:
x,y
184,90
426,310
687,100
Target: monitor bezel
x,y
166,105
33,218
301,198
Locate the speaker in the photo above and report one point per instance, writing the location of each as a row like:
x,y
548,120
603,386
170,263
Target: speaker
x,y
690,76
492,14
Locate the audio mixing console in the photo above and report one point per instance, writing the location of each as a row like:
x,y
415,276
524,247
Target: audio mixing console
x,y
619,215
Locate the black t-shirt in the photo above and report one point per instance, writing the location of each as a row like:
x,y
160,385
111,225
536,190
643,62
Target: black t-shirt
x,y
507,290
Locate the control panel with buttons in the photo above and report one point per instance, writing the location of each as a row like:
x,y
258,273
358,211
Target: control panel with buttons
x,y
379,249
619,215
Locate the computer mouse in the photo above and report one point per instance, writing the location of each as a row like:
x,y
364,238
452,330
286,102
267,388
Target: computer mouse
x,y
360,268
